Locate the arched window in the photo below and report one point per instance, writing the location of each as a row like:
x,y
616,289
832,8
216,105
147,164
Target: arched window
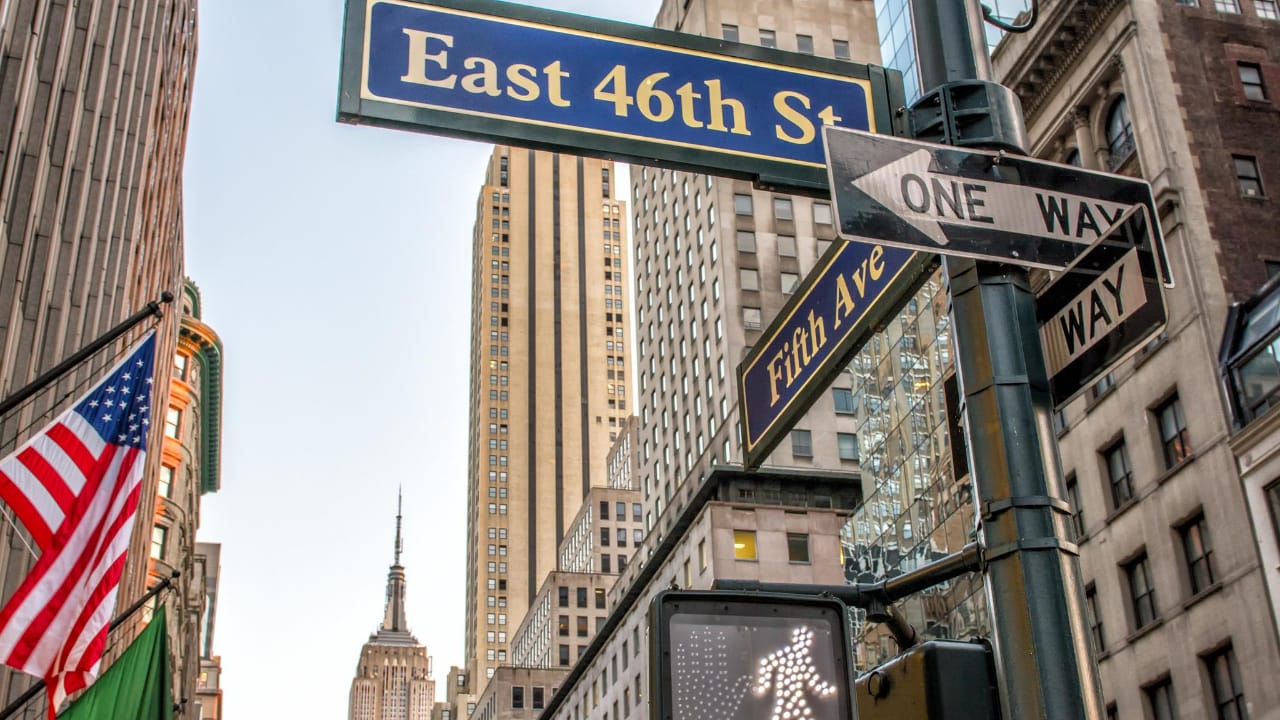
x,y
1119,131
1073,158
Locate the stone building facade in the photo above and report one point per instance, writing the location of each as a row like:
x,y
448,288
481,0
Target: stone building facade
x,y
1179,93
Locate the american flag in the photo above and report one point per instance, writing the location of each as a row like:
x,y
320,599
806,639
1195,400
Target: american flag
x,y
75,487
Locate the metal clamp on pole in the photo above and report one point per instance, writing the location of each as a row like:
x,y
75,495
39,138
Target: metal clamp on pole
x,y
970,113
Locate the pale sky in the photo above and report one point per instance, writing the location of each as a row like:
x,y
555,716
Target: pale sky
x,y
334,261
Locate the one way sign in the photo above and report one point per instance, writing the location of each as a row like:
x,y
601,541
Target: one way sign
x,y
974,203
1104,307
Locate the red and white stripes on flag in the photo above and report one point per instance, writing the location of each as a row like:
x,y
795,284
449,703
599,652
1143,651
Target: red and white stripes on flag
x,y
75,486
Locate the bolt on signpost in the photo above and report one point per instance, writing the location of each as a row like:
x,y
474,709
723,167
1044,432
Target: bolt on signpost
x,y
1033,573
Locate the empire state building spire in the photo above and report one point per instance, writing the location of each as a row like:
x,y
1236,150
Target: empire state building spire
x,y
393,620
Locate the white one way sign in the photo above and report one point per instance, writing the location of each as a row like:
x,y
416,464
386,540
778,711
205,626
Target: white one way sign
x,y
973,203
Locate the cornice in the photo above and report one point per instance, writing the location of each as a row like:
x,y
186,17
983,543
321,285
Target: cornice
x,y
1049,57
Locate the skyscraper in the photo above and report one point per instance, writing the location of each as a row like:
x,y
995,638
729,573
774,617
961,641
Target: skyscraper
x,y
93,124
716,259
393,676
549,317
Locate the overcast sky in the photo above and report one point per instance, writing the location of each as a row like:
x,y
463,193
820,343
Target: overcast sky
x,y
334,261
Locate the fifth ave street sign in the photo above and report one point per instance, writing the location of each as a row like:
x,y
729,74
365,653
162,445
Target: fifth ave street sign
x,y
974,203
1104,307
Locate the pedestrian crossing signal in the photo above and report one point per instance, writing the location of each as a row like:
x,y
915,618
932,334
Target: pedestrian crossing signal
x,y
725,655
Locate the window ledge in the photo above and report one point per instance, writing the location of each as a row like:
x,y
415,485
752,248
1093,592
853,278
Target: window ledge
x,y
1122,509
1104,655
1165,476
1143,631
1194,600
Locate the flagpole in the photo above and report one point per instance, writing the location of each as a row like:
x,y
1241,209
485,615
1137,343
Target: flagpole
x,y
53,373
159,587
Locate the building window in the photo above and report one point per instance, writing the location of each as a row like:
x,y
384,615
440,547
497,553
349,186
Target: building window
x,y
742,204
564,596
538,697
1073,158
180,366
768,38
606,563
517,696
744,544
782,209
563,626
604,537
1120,132
582,597
1119,474
798,547
172,421
848,443
600,598
801,443
751,319
1160,699
789,282
582,625
164,487
1077,510
702,555
1224,681
1247,176
159,539
1267,9
1094,620
1251,80
564,656
750,279
1273,502
1227,6
1142,591
841,49
843,398
1103,385
1175,441
1198,553
786,246
729,32
804,44
746,241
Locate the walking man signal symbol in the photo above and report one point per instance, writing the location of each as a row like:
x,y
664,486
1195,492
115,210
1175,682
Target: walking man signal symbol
x,y
790,674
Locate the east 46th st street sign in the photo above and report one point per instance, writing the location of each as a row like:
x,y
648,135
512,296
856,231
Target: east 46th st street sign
x,y
507,73
974,203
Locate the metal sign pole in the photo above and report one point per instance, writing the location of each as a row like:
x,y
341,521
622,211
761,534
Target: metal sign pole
x,y
1033,574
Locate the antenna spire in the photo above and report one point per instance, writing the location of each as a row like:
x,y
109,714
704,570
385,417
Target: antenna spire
x,y
399,507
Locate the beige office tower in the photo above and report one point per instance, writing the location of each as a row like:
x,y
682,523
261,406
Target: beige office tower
x,y
393,677
715,261
549,311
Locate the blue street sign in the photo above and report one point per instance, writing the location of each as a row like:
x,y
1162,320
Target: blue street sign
x,y
508,73
852,291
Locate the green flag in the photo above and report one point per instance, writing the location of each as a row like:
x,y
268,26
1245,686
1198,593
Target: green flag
x,y
137,686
